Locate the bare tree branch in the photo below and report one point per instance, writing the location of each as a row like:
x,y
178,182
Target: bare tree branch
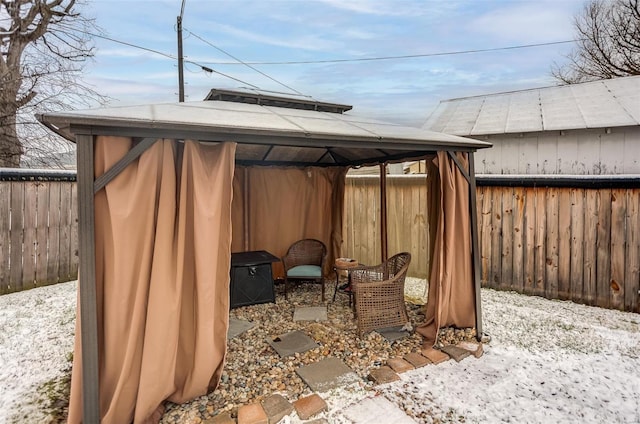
x,y
608,43
43,51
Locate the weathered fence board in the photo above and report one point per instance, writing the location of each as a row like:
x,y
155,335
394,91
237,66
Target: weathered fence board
x,y
564,244
53,261
42,232
16,236
576,247
589,243
551,243
30,239
507,236
603,249
5,240
618,233
518,239
632,258
529,240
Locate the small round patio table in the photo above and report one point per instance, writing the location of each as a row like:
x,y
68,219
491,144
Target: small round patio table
x,y
344,265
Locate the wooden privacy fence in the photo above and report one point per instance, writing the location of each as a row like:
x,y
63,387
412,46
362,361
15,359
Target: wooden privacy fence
x,y
38,229
580,244
407,224
576,243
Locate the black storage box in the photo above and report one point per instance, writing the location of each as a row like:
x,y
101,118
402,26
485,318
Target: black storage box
x,y
251,278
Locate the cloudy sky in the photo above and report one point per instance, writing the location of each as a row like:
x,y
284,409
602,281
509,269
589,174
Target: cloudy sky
x,y
266,31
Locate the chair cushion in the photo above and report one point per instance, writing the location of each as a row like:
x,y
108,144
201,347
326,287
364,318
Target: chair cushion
x,y
309,271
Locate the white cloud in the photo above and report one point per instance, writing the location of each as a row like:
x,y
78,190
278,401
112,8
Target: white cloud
x,y
528,22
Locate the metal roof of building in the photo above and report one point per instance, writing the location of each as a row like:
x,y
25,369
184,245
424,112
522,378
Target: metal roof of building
x,y
597,104
265,134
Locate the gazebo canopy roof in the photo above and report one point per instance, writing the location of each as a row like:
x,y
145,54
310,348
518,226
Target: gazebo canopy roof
x,y
266,135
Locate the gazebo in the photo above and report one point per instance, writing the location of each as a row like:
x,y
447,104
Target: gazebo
x,y
160,188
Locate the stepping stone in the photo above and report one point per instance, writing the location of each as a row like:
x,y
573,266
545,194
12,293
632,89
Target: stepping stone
x,y
393,334
434,355
383,375
237,327
221,419
327,374
374,410
252,414
473,347
293,342
309,406
310,313
417,360
457,353
399,365
276,407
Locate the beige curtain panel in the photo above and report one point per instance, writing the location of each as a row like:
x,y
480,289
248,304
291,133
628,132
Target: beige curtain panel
x,y
163,243
286,204
451,300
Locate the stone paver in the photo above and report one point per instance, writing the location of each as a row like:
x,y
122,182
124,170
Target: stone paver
x,y
310,313
276,407
416,359
399,365
237,327
220,419
457,353
252,413
383,375
309,406
293,342
327,374
434,355
393,334
473,347
376,410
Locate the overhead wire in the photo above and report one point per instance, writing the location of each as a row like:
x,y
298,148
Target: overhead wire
x,y
408,56
240,61
167,55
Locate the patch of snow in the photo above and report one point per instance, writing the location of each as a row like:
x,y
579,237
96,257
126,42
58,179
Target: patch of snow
x,y
37,328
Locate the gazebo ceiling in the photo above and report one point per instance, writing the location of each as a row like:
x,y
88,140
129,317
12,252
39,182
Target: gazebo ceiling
x,y
266,135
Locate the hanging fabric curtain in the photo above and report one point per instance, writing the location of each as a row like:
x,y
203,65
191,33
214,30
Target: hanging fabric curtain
x,y
451,300
286,204
163,242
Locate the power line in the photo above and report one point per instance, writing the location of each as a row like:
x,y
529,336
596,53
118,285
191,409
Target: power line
x,y
169,56
243,62
409,56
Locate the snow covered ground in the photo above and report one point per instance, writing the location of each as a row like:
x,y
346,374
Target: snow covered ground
x,y
548,361
36,335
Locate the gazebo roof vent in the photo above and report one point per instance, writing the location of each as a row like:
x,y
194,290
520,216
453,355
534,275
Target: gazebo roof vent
x,y
260,98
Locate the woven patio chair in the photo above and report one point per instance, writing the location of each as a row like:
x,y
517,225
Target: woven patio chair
x,y
379,294
304,261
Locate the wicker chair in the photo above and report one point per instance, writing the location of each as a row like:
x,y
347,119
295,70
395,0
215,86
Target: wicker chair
x,y
379,294
305,261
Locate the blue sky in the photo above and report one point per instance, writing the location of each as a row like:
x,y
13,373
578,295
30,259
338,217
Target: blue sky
x,y
404,91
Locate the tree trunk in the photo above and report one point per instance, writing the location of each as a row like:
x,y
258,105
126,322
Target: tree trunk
x,y
10,147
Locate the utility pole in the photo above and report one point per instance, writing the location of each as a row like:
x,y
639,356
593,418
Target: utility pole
x,y
180,56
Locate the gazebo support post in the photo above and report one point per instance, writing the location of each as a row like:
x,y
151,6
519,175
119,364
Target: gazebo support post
x,y
87,273
383,212
245,209
475,246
